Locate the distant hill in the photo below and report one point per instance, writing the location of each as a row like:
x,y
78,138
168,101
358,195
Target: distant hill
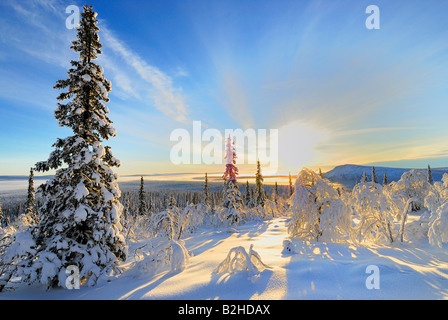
x,y
349,175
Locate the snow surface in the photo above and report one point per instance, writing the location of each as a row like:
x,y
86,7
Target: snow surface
x,y
313,270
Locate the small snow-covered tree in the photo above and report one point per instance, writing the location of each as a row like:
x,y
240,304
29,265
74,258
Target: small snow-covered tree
x,y
373,211
166,228
80,218
166,223
16,246
412,184
317,210
437,204
438,226
239,260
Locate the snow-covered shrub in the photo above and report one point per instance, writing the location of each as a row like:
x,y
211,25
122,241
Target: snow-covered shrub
x,y
374,213
412,184
238,260
437,194
175,222
228,216
270,209
259,213
438,226
16,250
161,255
418,229
165,249
317,210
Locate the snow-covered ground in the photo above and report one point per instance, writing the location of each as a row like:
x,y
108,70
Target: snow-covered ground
x,y
316,271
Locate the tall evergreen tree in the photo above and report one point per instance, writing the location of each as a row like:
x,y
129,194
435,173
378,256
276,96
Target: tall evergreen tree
x,y
247,197
275,194
374,177
142,198
252,197
80,219
430,179
291,189
320,173
260,194
385,180
150,204
31,204
2,217
364,177
206,191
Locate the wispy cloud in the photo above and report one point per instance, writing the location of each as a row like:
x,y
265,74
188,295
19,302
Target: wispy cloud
x,y
167,99
37,28
39,31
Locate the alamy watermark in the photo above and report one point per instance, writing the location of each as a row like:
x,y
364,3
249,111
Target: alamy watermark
x,y
73,19
373,20
250,146
373,280
72,281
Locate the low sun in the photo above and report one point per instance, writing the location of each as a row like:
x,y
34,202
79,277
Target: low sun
x,y
298,143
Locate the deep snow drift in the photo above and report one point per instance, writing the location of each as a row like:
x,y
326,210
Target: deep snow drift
x,y
314,270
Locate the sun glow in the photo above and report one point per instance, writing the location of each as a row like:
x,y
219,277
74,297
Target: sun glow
x,y
298,143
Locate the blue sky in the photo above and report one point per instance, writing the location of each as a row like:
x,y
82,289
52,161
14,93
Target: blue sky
x,y
337,92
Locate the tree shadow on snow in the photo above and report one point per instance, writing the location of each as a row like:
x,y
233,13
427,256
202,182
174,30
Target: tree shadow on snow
x,y
252,230
235,286
319,270
206,240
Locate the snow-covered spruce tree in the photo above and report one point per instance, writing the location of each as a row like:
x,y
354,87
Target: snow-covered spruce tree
x,y
291,188
430,178
232,197
31,204
206,191
2,217
80,218
247,197
385,180
275,193
259,191
364,177
142,198
374,177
